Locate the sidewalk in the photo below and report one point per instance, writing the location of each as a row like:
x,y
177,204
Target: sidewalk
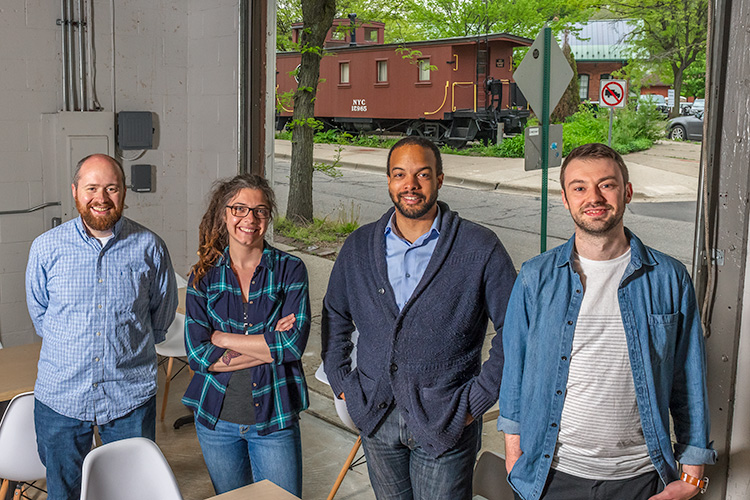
x,y
666,172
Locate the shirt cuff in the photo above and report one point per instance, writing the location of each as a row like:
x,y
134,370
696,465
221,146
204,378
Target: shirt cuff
x,y
693,455
508,426
160,336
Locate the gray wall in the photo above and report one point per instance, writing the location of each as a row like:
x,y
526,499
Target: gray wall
x,y
176,59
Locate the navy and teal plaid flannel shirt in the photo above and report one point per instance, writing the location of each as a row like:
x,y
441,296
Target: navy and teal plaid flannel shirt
x,y
278,288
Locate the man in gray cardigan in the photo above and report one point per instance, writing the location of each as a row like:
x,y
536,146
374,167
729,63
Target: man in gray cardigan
x,y
419,285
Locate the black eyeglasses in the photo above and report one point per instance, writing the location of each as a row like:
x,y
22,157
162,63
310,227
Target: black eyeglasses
x,y
243,210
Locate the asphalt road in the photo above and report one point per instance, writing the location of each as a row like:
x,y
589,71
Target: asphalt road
x,y
516,219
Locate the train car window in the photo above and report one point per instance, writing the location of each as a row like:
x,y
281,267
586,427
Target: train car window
x,y
344,72
338,34
583,86
424,70
371,35
382,67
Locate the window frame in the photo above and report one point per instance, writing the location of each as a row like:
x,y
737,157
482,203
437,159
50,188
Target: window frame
x,y
378,63
580,86
348,82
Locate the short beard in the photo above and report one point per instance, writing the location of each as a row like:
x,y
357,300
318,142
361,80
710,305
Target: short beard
x,y
100,223
417,212
599,229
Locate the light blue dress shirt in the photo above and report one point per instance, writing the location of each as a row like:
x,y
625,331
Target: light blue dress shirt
x,y
99,311
406,261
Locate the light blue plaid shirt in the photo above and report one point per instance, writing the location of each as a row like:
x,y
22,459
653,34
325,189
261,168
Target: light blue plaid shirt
x,y
99,311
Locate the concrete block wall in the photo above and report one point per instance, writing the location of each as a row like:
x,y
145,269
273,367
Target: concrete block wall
x,y
176,59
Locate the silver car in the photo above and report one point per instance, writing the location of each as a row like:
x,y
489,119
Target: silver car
x,y
684,128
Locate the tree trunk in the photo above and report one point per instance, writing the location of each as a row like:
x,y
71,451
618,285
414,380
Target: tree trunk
x,y
317,17
677,84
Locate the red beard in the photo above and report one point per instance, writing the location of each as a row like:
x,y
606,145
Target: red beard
x,y
99,222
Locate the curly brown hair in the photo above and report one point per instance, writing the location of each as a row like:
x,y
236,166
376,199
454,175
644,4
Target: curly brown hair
x,y
212,232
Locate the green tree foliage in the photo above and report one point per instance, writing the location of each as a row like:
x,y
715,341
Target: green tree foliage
x,y
571,98
452,18
694,79
671,33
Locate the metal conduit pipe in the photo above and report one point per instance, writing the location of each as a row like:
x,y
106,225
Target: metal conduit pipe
x,y
64,53
71,55
32,209
82,58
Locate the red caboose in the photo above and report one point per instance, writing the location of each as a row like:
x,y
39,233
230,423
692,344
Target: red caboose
x,y
451,90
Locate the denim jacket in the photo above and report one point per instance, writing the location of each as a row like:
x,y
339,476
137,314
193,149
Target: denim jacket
x,y
665,345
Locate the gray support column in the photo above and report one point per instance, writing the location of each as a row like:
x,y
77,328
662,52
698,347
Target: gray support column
x,y
726,159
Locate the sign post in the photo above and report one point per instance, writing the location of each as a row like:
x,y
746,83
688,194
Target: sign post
x,y
612,94
543,60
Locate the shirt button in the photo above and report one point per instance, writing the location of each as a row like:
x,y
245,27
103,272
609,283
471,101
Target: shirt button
x,y
249,324
578,291
252,282
96,359
99,306
250,302
98,334
558,392
257,404
94,384
553,425
383,406
408,275
255,385
564,358
101,281
546,455
394,367
381,291
570,322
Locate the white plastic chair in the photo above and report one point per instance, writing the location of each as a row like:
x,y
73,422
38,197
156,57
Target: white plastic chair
x,y
343,414
172,348
490,481
128,469
19,458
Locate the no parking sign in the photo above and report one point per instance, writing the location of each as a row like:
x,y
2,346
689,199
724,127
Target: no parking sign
x,y
613,93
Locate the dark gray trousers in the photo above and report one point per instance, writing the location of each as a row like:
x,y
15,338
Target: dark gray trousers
x,y
561,486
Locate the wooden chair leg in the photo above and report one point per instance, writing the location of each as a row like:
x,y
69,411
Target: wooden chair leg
x,y
4,488
170,364
345,468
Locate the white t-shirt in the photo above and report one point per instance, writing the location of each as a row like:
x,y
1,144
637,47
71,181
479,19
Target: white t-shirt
x,y
600,435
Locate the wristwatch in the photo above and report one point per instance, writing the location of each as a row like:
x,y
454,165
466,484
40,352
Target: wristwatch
x,y
702,484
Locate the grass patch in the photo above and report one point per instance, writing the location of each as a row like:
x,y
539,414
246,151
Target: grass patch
x,y
317,232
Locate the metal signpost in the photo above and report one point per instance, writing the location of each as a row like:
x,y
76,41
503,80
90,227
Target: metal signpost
x,y
533,77
612,94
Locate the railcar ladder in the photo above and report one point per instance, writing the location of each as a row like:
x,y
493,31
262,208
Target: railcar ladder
x,y
482,71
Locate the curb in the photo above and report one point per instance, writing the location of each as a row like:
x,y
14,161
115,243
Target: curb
x,y
475,184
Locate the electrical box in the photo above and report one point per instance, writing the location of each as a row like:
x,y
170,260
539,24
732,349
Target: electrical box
x,y
135,130
140,178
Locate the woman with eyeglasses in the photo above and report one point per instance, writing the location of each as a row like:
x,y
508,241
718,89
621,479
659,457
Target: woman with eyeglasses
x,y
247,324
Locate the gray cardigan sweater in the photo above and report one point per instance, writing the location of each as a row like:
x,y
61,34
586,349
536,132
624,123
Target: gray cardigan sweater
x,y
426,357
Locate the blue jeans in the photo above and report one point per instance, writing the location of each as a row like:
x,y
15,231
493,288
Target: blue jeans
x,y
401,470
63,442
236,456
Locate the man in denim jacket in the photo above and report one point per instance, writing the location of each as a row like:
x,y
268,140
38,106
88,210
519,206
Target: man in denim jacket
x,y
602,344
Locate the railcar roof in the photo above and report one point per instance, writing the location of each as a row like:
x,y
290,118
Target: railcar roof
x,y
459,40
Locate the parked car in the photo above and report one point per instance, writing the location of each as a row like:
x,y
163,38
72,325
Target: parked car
x,y
699,105
656,100
684,128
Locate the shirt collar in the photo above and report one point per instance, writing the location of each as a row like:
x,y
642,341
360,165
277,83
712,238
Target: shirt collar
x,y
84,231
639,253
266,260
433,228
